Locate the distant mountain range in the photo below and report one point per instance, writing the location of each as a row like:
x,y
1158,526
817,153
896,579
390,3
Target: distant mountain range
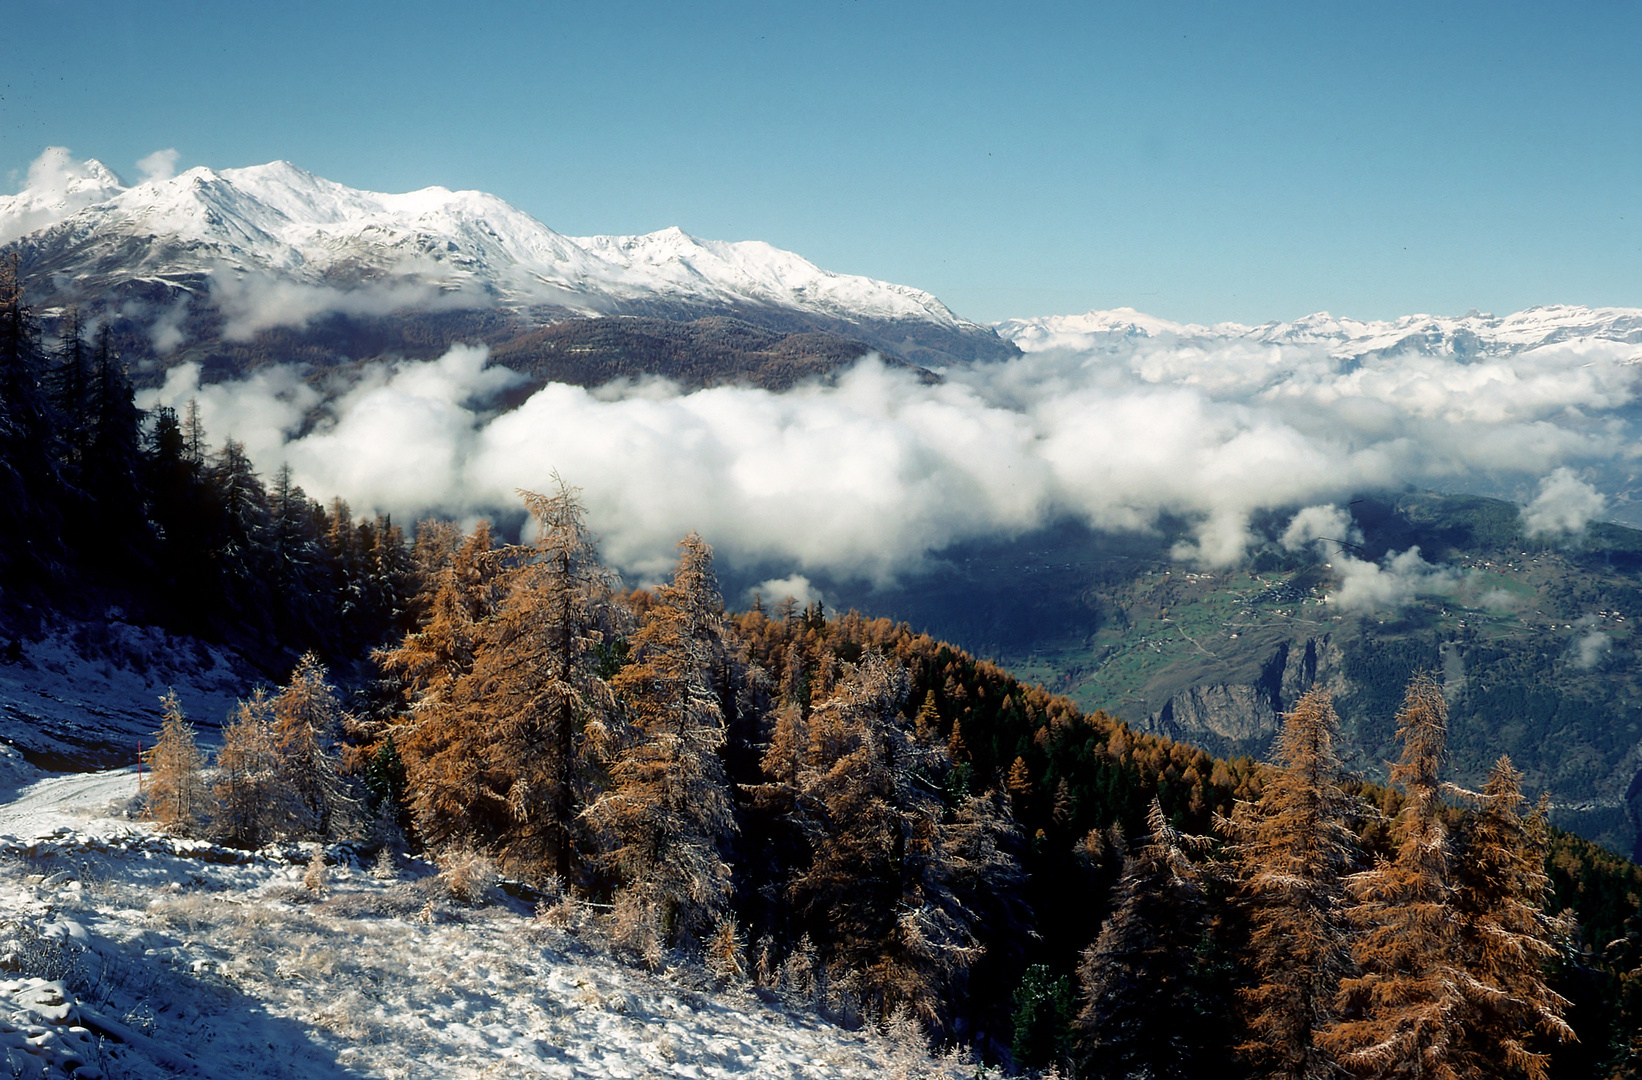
x,y
1467,336
208,264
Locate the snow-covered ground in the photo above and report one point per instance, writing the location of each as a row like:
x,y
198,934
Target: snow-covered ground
x,y
133,954
85,695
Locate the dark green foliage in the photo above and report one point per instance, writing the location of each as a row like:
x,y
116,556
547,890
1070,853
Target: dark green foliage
x,y
385,781
1045,1008
94,513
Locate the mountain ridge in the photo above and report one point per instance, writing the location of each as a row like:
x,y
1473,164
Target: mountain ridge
x,y
1471,335
276,246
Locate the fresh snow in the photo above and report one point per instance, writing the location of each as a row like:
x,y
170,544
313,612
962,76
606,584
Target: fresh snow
x,y
125,952
87,695
134,954
1471,336
279,220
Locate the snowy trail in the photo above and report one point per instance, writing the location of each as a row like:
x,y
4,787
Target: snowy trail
x,y
71,800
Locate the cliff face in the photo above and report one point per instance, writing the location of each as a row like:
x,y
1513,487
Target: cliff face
x,y
1242,718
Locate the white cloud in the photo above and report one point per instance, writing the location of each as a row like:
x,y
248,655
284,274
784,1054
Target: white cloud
x,y
58,184
796,586
252,302
1590,648
1321,525
865,476
1565,504
1391,584
160,165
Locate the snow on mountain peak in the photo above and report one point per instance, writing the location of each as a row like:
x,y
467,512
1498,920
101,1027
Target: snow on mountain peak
x,y
282,220
57,186
1470,335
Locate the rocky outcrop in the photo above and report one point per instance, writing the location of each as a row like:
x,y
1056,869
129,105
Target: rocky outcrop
x,y
1242,718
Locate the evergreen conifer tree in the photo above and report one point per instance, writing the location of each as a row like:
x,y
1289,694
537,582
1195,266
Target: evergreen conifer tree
x,y
1144,1009
71,387
111,465
31,484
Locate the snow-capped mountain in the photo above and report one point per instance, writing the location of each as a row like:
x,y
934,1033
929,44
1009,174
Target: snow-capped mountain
x,y
1463,337
228,236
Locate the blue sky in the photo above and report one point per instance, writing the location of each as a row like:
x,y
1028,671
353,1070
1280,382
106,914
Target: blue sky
x,y
1196,161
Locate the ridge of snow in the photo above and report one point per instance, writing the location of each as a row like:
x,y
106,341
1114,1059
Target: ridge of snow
x,y
1469,335
59,187
278,218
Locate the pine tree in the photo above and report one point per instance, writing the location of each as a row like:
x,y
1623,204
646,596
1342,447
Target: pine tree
x,y
111,465
1291,852
1144,1008
306,721
1506,941
175,787
70,387
249,799
294,557
667,817
32,490
1403,1014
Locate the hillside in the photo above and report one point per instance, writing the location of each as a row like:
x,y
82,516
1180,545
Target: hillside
x,y
135,955
1536,641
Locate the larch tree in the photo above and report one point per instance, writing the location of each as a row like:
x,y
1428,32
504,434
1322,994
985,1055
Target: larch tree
x,y
463,587
307,719
1291,851
496,748
1143,1011
175,789
1403,1013
666,819
896,887
1506,940
247,788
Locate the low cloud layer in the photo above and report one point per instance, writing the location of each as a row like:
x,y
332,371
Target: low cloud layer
x,y
1390,584
1565,504
865,477
253,302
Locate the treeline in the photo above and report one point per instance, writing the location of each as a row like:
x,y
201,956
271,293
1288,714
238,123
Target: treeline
x,y
844,811
101,504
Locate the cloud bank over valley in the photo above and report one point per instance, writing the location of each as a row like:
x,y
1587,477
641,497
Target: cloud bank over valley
x,y
866,476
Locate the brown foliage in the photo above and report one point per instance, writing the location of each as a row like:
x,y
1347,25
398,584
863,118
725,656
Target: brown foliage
x,y
1291,850
175,790
507,699
666,818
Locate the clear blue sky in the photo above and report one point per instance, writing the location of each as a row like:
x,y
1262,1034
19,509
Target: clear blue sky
x,y
1197,161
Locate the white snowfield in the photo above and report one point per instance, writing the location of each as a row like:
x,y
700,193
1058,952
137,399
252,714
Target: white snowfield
x,y
126,953
278,221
